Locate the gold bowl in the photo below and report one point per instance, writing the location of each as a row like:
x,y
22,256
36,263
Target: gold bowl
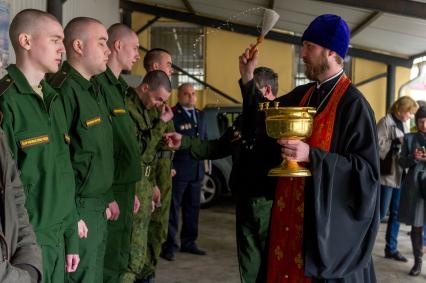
x,y
293,123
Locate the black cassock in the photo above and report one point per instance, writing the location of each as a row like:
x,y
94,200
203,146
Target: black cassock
x,y
341,217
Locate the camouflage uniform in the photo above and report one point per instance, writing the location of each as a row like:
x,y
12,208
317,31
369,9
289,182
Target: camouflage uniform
x,y
157,231
149,130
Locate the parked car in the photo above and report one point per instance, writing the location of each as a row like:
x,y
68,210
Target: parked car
x,y
215,183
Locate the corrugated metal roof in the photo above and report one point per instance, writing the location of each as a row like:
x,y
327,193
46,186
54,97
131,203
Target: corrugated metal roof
x,y
390,34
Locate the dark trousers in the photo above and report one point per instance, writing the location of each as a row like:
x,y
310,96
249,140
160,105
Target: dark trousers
x,y
185,196
389,199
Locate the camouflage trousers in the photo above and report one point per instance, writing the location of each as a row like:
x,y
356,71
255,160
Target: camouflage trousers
x,y
139,237
157,230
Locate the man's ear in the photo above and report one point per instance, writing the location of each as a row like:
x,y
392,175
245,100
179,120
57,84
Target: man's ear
x,y
268,93
268,89
145,88
331,53
77,46
117,45
24,40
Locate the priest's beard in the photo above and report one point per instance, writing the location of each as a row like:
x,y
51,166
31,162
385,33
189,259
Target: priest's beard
x,y
314,69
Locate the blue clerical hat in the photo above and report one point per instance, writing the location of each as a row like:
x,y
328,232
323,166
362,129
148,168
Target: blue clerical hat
x,y
329,31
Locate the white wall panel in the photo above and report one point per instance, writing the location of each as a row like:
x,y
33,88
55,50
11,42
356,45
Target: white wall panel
x,y
107,11
19,5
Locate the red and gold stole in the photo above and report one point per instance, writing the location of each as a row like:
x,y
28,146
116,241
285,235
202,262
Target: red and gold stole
x,y
285,259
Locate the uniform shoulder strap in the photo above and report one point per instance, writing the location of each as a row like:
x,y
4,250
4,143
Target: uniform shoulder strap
x,y
58,79
5,83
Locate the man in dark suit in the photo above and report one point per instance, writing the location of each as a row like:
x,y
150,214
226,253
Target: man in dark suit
x,y
186,188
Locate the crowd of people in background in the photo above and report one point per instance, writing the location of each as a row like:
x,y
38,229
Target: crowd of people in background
x,y
403,176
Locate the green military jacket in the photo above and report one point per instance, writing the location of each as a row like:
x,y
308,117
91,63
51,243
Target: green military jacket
x,y
205,149
91,133
37,133
149,128
126,151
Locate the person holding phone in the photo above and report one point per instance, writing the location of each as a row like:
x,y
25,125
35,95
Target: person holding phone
x,y
412,210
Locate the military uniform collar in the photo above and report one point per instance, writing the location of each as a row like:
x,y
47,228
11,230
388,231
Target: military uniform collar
x,y
188,108
22,83
117,82
19,79
179,108
67,68
135,98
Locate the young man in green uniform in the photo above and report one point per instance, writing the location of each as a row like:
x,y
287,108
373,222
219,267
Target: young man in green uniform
x,y
124,46
151,94
35,125
90,129
159,59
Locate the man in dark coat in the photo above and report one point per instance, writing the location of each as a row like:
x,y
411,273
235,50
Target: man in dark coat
x,y
252,189
21,257
324,227
186,188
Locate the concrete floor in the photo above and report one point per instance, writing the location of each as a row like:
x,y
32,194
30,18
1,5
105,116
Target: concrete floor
x,y
217,237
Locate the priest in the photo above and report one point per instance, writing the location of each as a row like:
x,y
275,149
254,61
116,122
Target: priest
x,y
323,227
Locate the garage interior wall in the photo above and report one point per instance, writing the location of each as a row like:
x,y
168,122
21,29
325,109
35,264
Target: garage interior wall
x,y
222,49
106,11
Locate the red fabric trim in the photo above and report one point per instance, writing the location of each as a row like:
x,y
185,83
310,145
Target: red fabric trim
x,y
285,259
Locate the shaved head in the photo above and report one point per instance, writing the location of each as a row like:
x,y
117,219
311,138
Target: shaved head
x,y
124,45
86,46
119,31
153,56
29,21
78,28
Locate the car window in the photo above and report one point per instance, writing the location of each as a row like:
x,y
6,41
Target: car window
x,y
225,120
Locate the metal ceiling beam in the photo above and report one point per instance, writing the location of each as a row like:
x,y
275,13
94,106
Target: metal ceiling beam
x,y
221,93
188,6
421,54
365,23
249,30
148,24
398,7
271,4
372,79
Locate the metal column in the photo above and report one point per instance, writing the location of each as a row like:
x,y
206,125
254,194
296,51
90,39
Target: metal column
x,y
126,17
54,7
390,85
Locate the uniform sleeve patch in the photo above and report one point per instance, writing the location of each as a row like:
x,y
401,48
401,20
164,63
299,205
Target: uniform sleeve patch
x,y
118,111
93,121
67,138
34,141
